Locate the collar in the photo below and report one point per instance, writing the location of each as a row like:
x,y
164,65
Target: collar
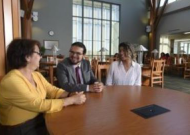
x,y
76,65
133,63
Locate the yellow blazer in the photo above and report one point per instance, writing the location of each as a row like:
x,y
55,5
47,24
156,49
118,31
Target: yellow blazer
x,y
21,101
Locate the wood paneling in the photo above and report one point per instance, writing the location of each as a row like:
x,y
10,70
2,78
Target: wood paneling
x,y
16,18
9,28
2,42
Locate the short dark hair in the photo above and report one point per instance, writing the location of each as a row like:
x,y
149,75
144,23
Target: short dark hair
x,y
128,48
81,45
17,51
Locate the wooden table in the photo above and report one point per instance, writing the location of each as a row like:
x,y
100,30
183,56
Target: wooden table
x,y
108,113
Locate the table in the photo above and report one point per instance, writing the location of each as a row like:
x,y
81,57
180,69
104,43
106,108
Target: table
x,y
108,113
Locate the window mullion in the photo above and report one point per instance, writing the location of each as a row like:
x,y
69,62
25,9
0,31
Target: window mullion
x,y
82,20
110,29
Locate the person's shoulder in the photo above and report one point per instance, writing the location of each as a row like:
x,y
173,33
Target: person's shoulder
x,y
11,76
137,65
65,62
115,63
85,62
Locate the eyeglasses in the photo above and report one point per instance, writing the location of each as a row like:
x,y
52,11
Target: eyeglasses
x,y
77,53
40,54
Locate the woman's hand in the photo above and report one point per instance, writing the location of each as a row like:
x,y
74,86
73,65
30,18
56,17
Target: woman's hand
x,y
78,98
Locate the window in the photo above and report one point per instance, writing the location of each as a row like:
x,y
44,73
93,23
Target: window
x,y
96,24
164,45
181,47
169,1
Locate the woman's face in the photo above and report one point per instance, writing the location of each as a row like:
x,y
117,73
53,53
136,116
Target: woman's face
x,y
34,59
123,54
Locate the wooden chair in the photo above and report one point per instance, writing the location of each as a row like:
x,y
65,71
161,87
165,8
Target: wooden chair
x,y
176,67
48,67
86,58
186,70
102,67
156,75
94,66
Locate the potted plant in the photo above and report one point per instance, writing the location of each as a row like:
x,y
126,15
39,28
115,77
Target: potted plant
x,y
42,50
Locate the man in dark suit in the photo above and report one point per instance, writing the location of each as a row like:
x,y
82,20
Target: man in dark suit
x,y
74,74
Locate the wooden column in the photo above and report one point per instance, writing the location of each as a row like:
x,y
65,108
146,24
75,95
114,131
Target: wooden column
x,y
16,18
156,13
27,5
2,42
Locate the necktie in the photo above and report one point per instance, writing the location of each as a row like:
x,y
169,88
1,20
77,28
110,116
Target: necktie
x,y
77,74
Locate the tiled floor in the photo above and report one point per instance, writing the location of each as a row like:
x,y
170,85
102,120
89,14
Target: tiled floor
x,y
173,82
177,83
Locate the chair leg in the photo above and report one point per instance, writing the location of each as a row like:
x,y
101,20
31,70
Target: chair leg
x,y
151,82
99,75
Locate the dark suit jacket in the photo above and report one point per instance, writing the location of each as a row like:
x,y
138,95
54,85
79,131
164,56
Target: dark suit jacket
x,y
67,78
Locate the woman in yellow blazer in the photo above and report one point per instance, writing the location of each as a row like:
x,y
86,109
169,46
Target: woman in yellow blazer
x,y
25,94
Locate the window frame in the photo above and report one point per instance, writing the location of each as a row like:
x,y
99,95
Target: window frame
x,y
102,20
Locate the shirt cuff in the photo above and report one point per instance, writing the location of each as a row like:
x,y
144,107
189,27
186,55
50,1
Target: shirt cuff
x,y
87,88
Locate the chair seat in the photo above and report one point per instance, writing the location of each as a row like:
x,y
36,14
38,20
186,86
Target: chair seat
x,y
146,75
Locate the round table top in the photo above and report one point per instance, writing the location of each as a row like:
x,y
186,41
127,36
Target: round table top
x,y
109,113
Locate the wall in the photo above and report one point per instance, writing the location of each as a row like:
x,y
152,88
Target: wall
x,y
175,20
56,15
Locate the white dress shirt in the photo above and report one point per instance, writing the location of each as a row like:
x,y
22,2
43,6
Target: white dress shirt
x,y
80,72
117,74
80,75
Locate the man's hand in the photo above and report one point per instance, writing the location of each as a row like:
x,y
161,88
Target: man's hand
x,y
96,87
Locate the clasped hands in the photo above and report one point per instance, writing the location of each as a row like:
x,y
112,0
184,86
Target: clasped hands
x,y
96,87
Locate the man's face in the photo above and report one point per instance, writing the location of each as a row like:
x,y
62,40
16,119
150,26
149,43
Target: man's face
x,y
76,54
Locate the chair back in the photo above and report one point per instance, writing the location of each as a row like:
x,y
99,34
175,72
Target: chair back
x,y
94,66
100,68
157,72
158,66
186,70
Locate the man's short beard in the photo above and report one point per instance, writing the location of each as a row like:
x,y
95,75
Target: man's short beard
x,y
75,63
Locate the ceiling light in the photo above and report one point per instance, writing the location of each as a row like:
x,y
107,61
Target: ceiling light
x,y
186,32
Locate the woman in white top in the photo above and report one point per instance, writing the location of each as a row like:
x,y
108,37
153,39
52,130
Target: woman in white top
x,y
125,71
